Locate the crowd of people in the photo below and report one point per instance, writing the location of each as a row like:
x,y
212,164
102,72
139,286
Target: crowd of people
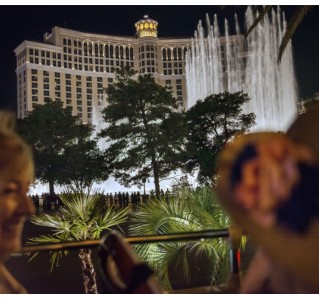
x,y
45,201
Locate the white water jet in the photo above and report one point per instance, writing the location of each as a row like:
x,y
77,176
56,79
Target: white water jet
x,y
232,63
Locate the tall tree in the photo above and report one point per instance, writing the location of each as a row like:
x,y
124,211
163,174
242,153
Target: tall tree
x,y
62,148
211,123
85,162
144,129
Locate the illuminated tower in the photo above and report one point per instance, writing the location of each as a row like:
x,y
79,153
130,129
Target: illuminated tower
x,y
146,27
146,32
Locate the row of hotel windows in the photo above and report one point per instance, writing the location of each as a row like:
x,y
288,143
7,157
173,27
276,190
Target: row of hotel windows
x,y
99,49
109,66
78,83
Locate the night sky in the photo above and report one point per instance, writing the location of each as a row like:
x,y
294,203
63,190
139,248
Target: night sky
x,y
30,22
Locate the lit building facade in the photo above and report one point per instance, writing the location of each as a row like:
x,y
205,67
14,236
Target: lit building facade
x,y
76,67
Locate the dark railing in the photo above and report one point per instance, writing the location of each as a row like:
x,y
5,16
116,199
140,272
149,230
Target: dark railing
x,y
182,236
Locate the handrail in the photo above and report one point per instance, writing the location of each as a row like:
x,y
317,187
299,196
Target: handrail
x,y
181,236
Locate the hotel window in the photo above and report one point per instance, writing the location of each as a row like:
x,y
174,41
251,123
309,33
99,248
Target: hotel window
x,y
33,71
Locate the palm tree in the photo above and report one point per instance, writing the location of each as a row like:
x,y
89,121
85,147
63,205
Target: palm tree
x,y
82,217
294,22
193,210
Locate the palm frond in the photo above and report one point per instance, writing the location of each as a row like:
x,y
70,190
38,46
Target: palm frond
x,y
195,210
259,19
82,217
293,24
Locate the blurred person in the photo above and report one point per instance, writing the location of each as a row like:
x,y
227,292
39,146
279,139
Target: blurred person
x,y
16,174
269,184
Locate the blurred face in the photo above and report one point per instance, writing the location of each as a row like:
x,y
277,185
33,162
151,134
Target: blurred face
x,y
15,206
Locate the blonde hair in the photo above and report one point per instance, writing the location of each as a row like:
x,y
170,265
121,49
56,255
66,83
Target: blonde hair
x,y
12,146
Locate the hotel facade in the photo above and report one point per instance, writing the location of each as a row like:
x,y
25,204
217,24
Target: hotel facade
x,y
76,67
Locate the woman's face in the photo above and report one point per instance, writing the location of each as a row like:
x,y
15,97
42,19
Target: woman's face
x,y
15,206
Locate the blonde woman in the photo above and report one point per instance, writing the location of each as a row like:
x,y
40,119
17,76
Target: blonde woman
x,y
16,174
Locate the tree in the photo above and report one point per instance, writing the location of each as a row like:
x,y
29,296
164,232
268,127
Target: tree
x,y
59,143
85,162
83,217
211,123
143,128
177,264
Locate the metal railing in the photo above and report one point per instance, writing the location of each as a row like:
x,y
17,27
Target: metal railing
x,y
182,236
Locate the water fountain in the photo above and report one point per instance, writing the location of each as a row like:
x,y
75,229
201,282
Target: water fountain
x,y
234,63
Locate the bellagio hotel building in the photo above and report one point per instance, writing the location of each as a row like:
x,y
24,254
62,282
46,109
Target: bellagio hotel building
x,y
76,67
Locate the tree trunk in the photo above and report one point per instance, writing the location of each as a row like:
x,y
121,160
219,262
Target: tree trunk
x,y
88,271
51,187
156,177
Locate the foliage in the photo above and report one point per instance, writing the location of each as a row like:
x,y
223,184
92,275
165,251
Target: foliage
x,y
195,210
211,123
85,162
59,142
82,217
144,129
